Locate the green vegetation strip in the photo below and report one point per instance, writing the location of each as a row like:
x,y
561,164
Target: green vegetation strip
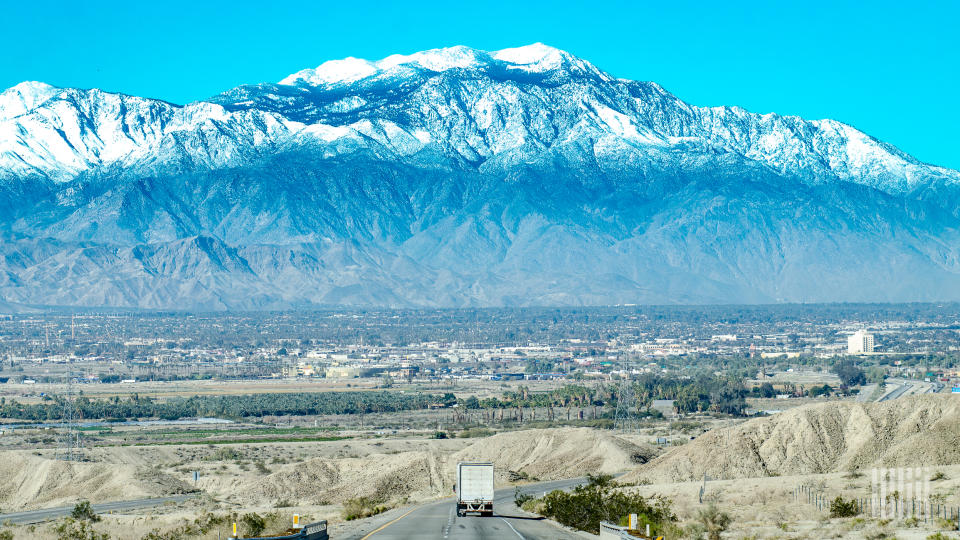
x,y
233,441
228,406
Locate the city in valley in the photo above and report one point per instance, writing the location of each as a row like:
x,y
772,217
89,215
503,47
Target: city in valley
x,y
701,419
488,270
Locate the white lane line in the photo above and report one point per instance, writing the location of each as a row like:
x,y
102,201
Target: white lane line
x,y
446,530
512,529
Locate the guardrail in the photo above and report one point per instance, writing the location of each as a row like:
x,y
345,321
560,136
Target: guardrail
x,y
313,531
609,531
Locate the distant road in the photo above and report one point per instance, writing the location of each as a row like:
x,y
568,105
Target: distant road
x,y
47,514
897,392
439,521
910,387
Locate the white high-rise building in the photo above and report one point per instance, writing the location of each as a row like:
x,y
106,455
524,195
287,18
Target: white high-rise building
x,y
860,342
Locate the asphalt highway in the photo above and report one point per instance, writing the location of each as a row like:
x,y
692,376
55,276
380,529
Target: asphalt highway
x,y
46,514
894,394
439,521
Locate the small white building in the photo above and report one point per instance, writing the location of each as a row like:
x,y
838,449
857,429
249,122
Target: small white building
x,y
860,342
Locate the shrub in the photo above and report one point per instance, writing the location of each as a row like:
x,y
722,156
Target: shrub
x,y
598,500
72,529
713,521
516,476
180,533
818,391
210,521
948,524
840,508
361,507
533,506
84,511
225,454
439,435
252,524
6,535
520,499
475,432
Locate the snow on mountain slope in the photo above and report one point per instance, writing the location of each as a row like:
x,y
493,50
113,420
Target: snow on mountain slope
x,y
61,132
525,176
490,107
480,105
536,58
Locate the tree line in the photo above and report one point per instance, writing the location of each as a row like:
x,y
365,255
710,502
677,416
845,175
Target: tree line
x,y
703,393
238,406
699,394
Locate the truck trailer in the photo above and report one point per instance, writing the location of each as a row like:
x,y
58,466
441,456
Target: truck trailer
x,y
475,488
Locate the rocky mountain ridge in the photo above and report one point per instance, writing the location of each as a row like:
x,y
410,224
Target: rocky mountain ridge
x,y
456,177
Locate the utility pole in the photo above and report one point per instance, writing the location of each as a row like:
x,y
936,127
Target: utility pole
x,y
69,446
626,416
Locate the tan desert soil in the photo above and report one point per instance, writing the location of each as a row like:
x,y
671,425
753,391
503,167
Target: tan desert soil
x,y
28,482
551,454
314,474
428,472
820,438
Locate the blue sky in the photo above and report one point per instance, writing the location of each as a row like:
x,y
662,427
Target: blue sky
x,y
891,69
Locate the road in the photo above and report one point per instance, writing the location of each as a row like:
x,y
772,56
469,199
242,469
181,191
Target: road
x,y
46,514
910,387
898,392
439,521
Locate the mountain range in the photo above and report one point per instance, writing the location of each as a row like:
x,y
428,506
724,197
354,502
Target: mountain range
x,y
456,177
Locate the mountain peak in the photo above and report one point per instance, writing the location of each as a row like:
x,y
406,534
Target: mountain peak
x,y
24,97
457,177
334,71
535,58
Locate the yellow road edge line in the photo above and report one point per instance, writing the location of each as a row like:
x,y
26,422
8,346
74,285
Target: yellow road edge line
x,y
387,524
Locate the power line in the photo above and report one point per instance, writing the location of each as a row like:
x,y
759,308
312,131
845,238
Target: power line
x,y
626,416
68,448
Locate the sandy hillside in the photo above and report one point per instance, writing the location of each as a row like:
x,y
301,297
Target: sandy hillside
x,y
28,482
416,475
312,474
825,437
427,471
550,454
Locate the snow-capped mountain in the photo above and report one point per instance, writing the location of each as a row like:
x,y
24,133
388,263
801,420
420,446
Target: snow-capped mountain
x,y
456,177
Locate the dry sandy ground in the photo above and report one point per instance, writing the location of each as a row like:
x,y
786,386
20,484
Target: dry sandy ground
x,y
765,508
820,438
760,462
312,479
831,446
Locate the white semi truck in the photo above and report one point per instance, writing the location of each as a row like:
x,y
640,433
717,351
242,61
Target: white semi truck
x,y
475,488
